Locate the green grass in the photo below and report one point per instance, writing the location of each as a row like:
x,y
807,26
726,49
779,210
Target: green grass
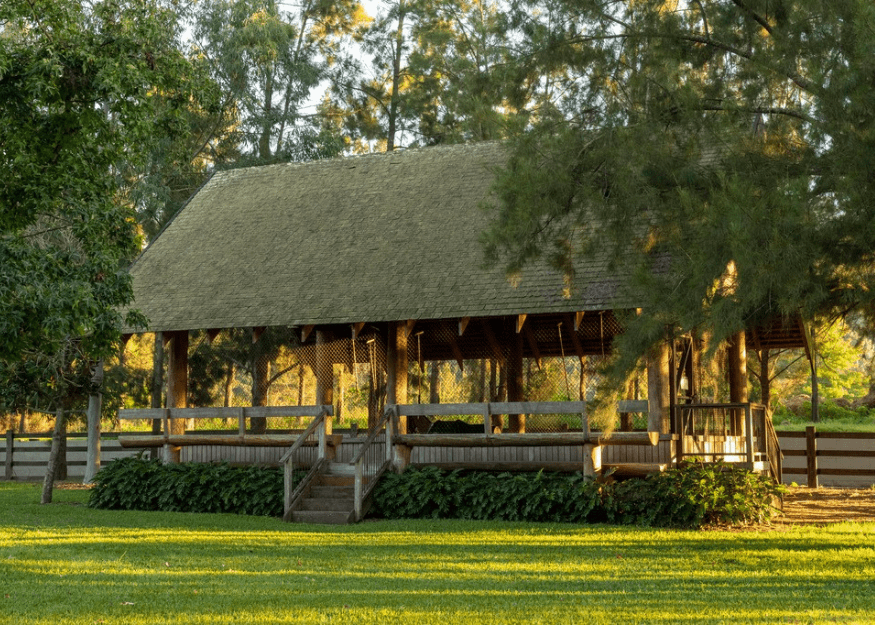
x,y
64,563
833,418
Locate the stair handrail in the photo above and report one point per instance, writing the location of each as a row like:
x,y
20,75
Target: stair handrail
x,y
773,451
361,492
291,496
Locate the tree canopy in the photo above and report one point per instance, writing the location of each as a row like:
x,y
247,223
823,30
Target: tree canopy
x,y
85,89
734,139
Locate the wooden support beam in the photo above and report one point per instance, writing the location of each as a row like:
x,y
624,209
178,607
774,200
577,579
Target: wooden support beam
x,y
306,331
497,352
177,387
256,334
515,386
463,324
125,339
408,327
212,333
578,319
454,345
520,322
356,329
533,345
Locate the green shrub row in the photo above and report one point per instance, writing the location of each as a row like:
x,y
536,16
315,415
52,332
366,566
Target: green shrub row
x,y
690,496
143,484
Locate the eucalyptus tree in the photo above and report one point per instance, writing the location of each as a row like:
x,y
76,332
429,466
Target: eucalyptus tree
x,y
433,72
268,60
724,150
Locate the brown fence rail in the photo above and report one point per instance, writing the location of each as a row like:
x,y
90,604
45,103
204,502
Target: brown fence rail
x,y
842,458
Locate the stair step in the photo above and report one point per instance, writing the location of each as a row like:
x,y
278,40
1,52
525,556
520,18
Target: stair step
x,y
340,468
328,504
331,492
329,479
322,517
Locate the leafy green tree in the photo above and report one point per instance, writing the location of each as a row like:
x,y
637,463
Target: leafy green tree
x,y
79,100
723,149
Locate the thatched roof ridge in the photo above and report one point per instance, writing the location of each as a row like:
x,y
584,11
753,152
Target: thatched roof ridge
x,y
381,237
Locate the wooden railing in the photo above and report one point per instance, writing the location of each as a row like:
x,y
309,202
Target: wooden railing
x,y
317,433
240,438
739,433
590,441
371,461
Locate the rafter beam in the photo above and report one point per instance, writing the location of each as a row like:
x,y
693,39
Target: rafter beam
x,y
575,340
493,342
356,329
256,334
212,333
520,322
578,319
454,346
306,332
533,344
463,323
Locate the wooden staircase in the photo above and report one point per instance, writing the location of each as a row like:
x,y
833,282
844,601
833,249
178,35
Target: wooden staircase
x,y
330,499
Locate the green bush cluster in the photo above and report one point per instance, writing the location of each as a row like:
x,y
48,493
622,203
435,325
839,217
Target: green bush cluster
x,y
143,484
690,496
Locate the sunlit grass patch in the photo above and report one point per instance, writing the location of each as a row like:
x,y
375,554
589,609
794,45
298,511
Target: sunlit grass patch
x,y
65,563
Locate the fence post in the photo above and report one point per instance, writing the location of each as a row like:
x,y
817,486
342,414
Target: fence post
x,y
10,441
748,424
811,455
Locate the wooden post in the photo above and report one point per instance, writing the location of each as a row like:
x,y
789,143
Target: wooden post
x,y
659,389
748,422
177,388
738,379
517,422
396,364
811,455
592,460
157,384
10,443
95,400
324,375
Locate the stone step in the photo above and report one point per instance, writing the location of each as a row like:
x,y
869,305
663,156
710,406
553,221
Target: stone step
x,y
328,504
321,517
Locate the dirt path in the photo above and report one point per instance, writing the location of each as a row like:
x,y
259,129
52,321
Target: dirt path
x,y
804,506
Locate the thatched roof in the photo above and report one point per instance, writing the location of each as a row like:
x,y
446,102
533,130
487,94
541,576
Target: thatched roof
x,y
383,237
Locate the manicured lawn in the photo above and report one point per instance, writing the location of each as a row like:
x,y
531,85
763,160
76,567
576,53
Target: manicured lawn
x,y
64,563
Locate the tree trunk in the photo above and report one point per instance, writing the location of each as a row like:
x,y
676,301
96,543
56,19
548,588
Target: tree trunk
x,y
95,401
396,79
434,384
22,420
54,454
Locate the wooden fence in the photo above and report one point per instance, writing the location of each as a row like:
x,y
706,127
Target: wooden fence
x,y
837,459
844,459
